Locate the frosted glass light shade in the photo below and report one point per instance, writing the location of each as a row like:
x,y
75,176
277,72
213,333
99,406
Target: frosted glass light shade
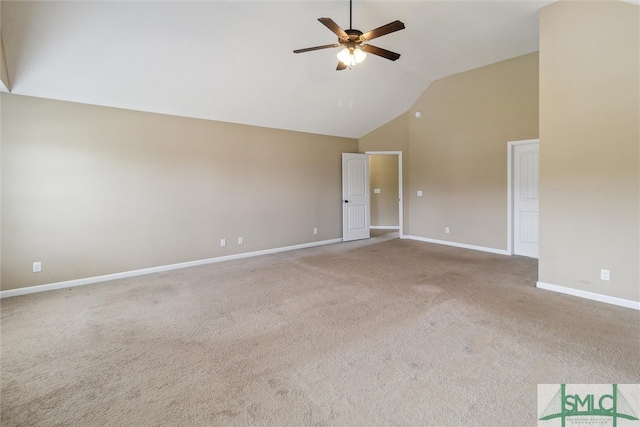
x,y
346,58
350,58
359,55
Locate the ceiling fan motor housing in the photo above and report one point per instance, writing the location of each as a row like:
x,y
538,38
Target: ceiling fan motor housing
x,y
353,40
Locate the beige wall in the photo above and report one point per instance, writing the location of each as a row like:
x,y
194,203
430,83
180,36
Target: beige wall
x,y
392,136
457,152
90,190
590,147
383,174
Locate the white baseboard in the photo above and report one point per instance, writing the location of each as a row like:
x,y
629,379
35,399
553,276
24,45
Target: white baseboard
x,y
457,245
590,295
151,270
384,227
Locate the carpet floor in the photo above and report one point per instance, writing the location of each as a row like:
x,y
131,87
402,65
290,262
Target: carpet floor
x,y
375,332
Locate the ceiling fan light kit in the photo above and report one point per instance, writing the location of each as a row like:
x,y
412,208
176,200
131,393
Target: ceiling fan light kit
x,y
353,51
351,56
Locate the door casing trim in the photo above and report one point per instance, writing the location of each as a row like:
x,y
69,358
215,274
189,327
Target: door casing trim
x,y
400,188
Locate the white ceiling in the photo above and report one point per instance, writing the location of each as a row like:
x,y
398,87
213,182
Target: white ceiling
x,y
232,60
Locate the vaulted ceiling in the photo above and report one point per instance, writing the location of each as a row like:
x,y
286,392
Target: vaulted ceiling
x,y
232,60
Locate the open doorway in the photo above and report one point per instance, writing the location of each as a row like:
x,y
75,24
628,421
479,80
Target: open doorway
x,y
385,179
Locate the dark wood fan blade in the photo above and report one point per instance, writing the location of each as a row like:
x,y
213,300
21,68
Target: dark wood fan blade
x,y
309,49
340,66
381,31
381,52
328,22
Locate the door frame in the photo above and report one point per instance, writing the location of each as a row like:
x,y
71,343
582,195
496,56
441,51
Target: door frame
x,y
400,193
510,211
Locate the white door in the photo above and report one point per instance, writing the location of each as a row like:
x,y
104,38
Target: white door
x,y
355,196
525,199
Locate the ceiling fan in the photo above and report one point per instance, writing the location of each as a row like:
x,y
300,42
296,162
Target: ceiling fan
x,y
352,40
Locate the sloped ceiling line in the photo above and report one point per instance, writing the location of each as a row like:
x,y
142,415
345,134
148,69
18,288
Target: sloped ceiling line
x,y
233,61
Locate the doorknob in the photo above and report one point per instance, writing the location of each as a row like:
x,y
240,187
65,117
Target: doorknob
x,y
346,201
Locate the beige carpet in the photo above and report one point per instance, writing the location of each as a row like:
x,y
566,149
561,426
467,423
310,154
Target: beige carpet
x,y
377,332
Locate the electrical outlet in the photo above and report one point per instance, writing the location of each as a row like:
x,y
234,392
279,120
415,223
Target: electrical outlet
x,y
240,240
446,230
37,267
223,242
315,231
605,275
419,193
